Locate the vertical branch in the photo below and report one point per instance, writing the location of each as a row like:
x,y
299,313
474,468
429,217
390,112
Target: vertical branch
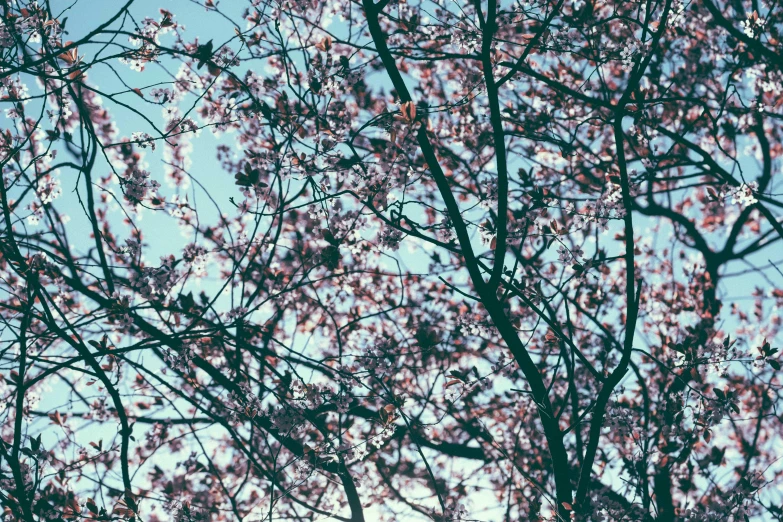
x,y
501,226
552,432
13,462
632,298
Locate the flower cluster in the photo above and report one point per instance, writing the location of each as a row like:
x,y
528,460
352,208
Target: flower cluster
x,y
382,437
343,402
143,139
288,419
446,231
179,358
245,404
606,507
455,512
753,26
466,38
121,315
620,419
489,201
49,188
183,511
147,39
375,359
389,238
729,505
225,57
677,14
474,326
302,470
566,255
36,214
131,248
609,206
629,53
236,314
312,395
487,233
197,257
154,282
505,366
138,185
7,483
743,195
35,23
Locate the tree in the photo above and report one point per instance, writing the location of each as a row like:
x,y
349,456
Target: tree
x,y
391,260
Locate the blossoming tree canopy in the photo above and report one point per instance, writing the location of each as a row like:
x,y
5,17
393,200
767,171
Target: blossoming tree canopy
x,y
391,260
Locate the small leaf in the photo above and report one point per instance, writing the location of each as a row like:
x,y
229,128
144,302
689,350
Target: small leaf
x,y
408,111
325,44
130,501
56,418
121,509
677,348
92,506
329,237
